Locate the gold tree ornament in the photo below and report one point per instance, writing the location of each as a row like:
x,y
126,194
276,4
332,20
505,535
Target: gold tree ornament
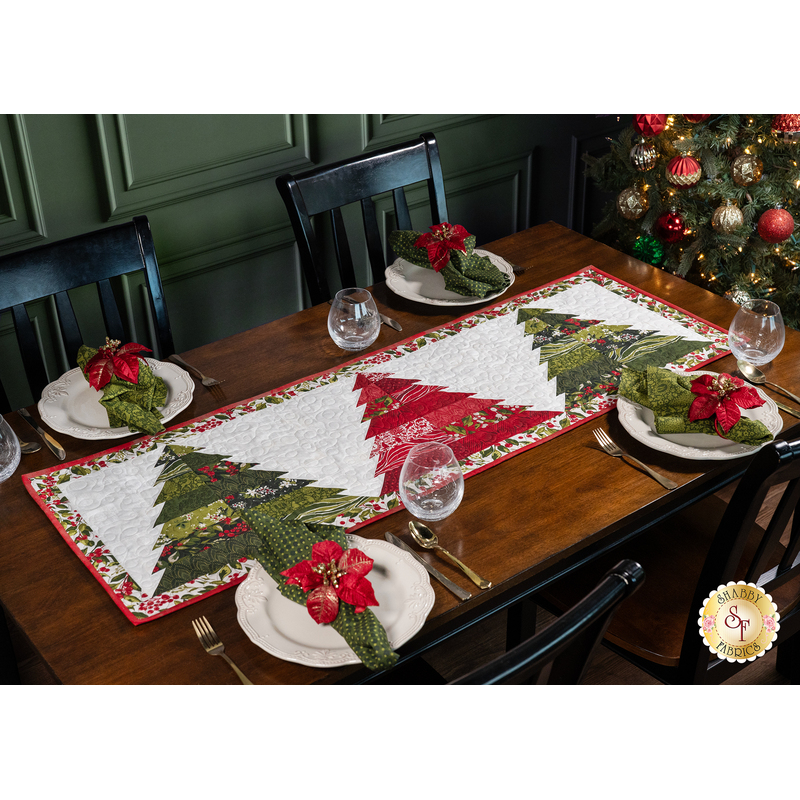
x,y
644,156
632,203
727,218
747,169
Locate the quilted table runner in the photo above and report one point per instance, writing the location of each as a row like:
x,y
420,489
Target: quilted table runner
x,y
159,520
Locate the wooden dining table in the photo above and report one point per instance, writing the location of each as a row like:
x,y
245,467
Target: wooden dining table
x,y
522,524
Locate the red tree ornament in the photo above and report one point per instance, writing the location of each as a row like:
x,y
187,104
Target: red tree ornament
x,y
684,171
650,124
669,227
775,225
695,118
786,127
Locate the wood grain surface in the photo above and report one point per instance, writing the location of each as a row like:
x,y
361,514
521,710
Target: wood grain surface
x,y
521,523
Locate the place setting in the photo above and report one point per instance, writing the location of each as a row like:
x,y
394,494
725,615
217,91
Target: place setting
x,y
444,268
289,604
703,415
113,392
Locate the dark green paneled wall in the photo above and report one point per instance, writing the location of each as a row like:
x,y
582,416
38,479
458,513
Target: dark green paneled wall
x,y
206,183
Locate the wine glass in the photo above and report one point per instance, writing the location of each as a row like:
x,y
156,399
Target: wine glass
x,y
9,450
431,481
353,321
757,332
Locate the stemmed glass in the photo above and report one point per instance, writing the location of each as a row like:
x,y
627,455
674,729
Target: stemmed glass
x,y
431,481
353,321
9,450
757,332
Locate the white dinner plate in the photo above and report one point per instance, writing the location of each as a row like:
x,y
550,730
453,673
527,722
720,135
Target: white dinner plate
x,y
70,405
286,630
427,286
639,421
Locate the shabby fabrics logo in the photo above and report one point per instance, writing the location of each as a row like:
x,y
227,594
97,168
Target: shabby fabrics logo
x,y
739,622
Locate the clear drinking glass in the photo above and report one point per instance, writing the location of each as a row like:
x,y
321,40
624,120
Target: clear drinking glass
x,y
757,332
9,450
353,321
431,481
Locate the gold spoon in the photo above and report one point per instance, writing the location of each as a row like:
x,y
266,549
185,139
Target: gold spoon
x,y
426,538
29,447
755,375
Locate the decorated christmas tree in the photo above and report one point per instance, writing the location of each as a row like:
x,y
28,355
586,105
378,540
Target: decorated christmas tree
x,y
712,198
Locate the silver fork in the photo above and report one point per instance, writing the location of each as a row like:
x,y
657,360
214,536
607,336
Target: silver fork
x,y
212,384
214,647
615,450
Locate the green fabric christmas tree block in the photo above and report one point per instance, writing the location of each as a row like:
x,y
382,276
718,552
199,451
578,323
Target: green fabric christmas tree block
x,y
132,405
670,395
466,273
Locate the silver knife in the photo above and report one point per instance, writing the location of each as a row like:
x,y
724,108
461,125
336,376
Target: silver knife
x,y
392,323
454,588
787,409
54,446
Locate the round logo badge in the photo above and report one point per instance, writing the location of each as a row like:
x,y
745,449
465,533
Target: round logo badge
x,y
739,622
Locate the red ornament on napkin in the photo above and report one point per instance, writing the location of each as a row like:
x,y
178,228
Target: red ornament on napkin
x,y
722,396
445,237
111,361
331,575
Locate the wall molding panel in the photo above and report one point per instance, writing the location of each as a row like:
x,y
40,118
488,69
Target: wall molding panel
x,y
151,161
382,130
21,212
192,263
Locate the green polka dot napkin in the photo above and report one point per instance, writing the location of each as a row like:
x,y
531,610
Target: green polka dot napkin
x,y
463,272
285,543
669,396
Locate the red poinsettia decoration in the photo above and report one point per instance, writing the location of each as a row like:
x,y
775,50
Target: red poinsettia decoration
x,y
114,360
331,575
721,396
445,237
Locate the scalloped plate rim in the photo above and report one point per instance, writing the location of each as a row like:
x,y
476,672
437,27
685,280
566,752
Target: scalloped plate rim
x,y
179,384
258,587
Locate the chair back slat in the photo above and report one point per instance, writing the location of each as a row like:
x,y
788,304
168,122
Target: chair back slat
x,y
342,247
32,361
401,211
52,269
377,258
793,548
354,180
764,558
68,324
111,316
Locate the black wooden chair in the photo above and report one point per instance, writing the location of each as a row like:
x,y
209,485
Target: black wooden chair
x,y
329,188
560,653
53,269
691,554
9,674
